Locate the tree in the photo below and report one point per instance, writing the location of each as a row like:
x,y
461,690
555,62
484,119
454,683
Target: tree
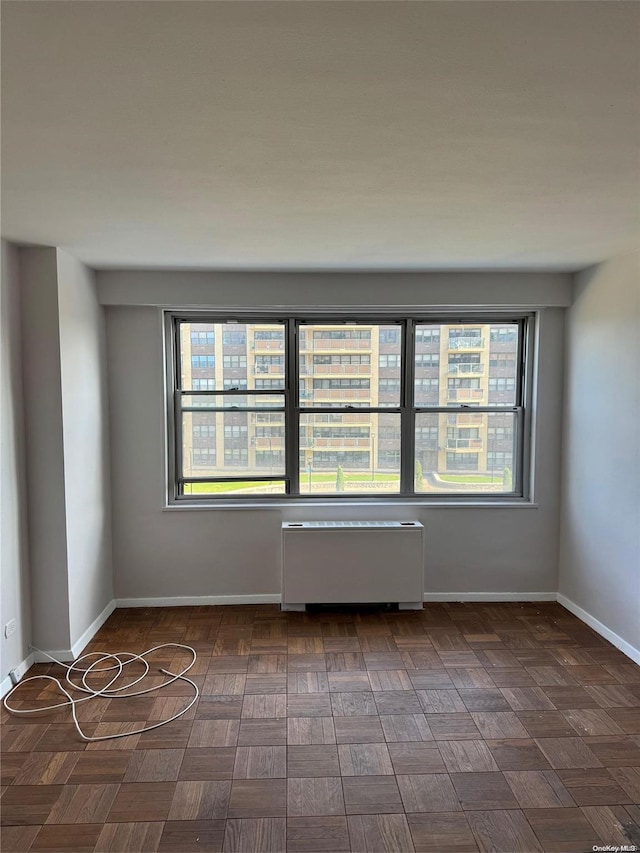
x,y
418,474
340,479
506,478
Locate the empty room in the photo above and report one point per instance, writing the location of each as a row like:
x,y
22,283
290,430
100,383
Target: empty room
x,y
320,412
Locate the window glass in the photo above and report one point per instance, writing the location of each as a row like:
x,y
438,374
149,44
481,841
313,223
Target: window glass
x,y
465,452
350,365
242,426
351,454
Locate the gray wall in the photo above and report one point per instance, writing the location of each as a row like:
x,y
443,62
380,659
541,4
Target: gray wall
x,y
45,454
86,444
66,417
190,552
250,289
14,557
600,544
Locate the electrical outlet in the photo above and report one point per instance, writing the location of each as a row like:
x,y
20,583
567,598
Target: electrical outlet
x,y
10,628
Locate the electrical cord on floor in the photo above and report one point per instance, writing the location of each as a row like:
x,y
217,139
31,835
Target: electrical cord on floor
x,y
116,661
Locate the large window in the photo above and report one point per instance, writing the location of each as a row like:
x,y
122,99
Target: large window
x,y
334,408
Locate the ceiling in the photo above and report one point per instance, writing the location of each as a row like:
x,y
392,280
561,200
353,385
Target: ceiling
x,y
322,135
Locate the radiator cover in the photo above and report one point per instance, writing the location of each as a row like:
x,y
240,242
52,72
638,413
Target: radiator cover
x,y
352,562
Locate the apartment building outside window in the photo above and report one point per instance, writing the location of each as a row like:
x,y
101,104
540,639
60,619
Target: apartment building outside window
x,y
380,409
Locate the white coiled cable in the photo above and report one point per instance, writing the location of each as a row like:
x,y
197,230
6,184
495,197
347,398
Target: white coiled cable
x,y
116,661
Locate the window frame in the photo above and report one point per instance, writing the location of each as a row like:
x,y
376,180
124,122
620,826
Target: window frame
x,y
293,407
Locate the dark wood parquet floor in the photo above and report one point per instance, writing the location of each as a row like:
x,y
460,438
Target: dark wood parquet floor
x,y
464,727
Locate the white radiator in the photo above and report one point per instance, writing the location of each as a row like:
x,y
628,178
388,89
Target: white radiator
x,y
342,562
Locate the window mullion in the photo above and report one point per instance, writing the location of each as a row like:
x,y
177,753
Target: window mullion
x,y
407,428
524,417
292,416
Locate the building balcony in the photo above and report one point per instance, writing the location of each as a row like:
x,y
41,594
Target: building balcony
x,y
339,443
267,346
465,419
265,443
268,370
464,444
348,395
333,344
460,369
466,343
335,370
464,394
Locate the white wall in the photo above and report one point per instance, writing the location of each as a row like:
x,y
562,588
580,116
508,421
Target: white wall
x,y
14,556
190,552
600,543
86,444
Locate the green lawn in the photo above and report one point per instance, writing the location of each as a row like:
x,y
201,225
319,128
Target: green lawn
x,y
470,478
364,476
350,479
330,478
215,488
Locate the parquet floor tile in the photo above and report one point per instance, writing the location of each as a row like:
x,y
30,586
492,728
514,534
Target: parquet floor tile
x,y
464,727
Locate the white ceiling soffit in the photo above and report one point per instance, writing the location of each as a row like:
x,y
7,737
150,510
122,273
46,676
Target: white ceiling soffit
x,y
322,135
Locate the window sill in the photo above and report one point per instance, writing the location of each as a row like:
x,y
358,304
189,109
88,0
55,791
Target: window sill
x,y
388,505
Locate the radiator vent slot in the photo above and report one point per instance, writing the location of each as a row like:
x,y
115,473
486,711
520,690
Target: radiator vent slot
x,y
309,525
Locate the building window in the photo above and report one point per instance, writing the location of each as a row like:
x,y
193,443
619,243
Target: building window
x,y
204,456
342,335
269,361
504,360
426,335
234,384
268,335
232,362
507,383
204,431
462,461
426,391
389,386
341,383
235,431
199,362
499,433
236,456
203,384
342,359
234,337
498,460
201,338
504,334
331,413
427,359
389,361
265,384
390,336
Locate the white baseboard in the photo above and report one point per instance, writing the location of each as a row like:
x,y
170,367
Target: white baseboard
x,y
199,600
490,596
275,598
93,629
625,647
6,684
63,655
68,655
